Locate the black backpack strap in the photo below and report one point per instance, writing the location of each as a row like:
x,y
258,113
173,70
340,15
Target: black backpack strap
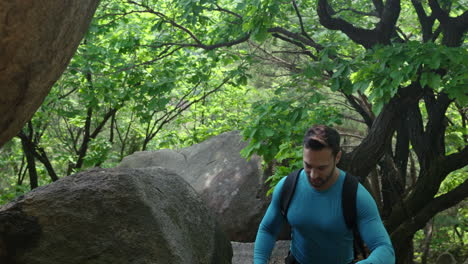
x,y
348,202
287,192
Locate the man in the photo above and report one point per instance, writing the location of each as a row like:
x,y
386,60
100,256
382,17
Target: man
x,y
318,229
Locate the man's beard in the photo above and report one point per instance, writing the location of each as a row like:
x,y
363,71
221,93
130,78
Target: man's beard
x,y
319,182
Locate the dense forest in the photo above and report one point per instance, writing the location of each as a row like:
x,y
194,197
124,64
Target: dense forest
x,y
390,75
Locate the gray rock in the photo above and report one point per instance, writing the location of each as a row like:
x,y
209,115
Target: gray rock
x,y
243,252
231,186
112,216
37,40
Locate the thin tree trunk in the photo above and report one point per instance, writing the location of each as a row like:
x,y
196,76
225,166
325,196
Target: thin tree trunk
x,y
427,241
22,171
31,163
42,157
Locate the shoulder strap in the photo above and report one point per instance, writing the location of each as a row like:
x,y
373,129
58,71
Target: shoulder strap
x,y
348,202
287,192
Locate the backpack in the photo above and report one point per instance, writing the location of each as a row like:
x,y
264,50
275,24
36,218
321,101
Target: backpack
x,y
348,202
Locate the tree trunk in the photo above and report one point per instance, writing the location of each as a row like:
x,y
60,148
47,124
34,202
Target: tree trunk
x,y
404,251
427,241
31,163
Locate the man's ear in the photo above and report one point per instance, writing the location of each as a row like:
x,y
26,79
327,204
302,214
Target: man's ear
x,y
338,157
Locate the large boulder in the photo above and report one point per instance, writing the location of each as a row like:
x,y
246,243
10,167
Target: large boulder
x,y
37,40
231,186
106,216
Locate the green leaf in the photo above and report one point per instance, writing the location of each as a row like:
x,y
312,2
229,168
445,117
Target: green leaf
x,y
434,81
335,86
268,132
377,107
361,86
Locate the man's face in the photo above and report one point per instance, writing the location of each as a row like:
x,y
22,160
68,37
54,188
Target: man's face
x,y
320,167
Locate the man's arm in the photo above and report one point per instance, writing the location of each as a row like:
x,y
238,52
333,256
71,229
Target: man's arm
x,y
269,228
372,230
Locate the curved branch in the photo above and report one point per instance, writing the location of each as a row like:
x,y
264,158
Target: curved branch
x,y
382,34
368,117
435,206
296,43
301,23
455,161
364,37
297,37
373,147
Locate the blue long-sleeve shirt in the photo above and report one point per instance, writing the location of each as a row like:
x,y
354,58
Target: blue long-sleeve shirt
x,y
319,232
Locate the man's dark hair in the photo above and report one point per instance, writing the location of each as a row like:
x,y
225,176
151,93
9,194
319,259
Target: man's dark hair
x,y
321,136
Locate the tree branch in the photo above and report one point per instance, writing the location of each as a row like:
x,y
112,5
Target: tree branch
x,y
437,124
301,23
198,43
356,104
379,6
218,8
364,37
176,111
455,161
453,29
373,147
291,67
104,120
358,12
414,123
304,50
388,19
297,37
439,13
382,33
431,208
425,21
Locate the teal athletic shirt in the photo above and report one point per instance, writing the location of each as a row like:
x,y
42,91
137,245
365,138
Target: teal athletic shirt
x,y
319,232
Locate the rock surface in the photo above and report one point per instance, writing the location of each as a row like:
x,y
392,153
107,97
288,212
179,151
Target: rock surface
x,y
243,252
37,40
231,186
125,216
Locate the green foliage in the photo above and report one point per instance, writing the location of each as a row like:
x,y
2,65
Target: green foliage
x,y
148,59
448,235
223,111
12,191
277,129
454,179
384,69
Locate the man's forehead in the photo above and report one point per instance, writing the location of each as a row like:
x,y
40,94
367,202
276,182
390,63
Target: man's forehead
x,y
318,157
